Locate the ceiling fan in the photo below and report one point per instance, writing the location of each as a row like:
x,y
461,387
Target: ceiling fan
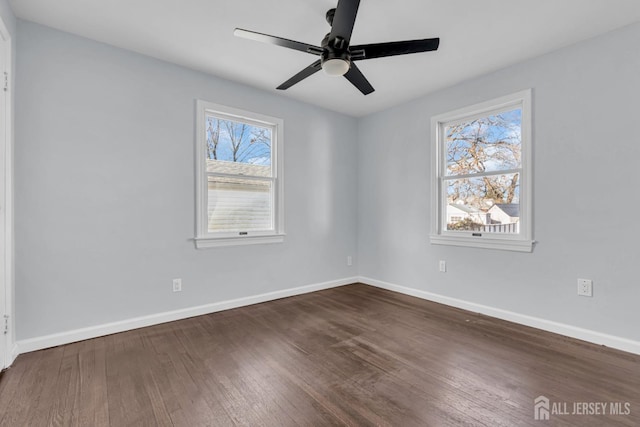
x,y
336,55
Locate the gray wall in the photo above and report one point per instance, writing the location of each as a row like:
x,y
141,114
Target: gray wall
x,y
586,181
105,188
105,204
8,17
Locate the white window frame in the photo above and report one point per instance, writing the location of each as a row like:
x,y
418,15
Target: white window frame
x,y
206,239
522,242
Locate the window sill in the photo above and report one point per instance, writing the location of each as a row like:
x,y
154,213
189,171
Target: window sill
x,y
486,243
214,242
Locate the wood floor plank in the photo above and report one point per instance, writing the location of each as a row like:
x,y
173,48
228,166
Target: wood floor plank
x,y
348,356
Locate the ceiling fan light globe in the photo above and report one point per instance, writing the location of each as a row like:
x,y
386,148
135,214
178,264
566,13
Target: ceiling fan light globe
x,y
335,67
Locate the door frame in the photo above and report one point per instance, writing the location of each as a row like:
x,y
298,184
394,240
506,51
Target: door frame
x,y
7,325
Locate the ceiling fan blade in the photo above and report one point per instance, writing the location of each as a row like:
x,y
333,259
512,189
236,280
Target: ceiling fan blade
x,y
355,76
311,69
278,41
344,19
379,50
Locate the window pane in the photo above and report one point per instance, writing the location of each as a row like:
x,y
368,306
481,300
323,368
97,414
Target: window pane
x,y
236,147
236,204
489,204
486,144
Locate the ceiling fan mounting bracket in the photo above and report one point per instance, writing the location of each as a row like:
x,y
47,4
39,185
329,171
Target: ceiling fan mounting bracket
x,y
329,16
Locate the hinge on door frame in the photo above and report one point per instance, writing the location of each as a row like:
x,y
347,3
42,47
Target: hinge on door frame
x,y
6,81
6,324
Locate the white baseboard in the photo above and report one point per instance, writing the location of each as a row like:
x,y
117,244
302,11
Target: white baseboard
x,y
14,353
599,338
39,343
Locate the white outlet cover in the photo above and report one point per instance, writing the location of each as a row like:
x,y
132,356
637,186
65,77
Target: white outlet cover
x,y
443,266
585,287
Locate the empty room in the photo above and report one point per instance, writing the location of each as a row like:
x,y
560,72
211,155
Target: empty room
x,y
321,212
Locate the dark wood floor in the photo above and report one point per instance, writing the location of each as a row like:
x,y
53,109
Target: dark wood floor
x,y
354,355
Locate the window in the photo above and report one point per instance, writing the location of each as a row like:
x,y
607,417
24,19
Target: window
x,y
482,175
239,177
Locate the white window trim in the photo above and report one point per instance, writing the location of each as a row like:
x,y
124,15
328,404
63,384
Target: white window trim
x,y
524,241
203,238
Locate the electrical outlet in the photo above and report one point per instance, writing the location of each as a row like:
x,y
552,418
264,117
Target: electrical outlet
x,y
443,266
585,287
177,285
349,261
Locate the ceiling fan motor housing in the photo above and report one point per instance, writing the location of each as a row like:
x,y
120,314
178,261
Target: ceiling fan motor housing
x,y
335,49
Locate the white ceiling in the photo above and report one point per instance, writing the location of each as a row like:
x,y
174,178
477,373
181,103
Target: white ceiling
x,y
476,37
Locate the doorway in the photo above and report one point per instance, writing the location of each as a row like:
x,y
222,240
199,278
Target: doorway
x,y
6,205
